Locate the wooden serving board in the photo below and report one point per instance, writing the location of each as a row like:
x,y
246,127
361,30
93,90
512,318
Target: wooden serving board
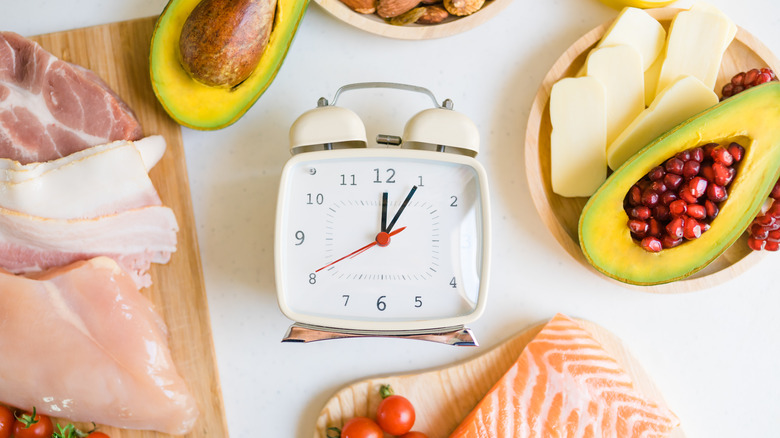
x,y
443,397
561,214
119,53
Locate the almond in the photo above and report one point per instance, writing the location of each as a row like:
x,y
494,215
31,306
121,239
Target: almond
x,y
394,8
361,6
433,15
463,7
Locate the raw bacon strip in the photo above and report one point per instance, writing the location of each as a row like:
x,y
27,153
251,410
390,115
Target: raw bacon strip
x,y
565,384
50,108
133,238
105,182
81,342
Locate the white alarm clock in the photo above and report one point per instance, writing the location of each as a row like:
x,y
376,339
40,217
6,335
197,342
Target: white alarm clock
x,y
389,240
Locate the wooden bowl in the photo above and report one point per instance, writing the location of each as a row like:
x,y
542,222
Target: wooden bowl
x,y
561,214
451,26
443,397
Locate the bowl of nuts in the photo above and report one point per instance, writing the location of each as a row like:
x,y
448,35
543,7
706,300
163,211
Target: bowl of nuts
x,y
414,19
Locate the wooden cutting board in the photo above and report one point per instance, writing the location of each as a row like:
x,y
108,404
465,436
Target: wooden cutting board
x,y
443,397
119,53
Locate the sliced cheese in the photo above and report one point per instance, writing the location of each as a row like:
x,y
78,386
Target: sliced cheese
x,y
651,79
683,99
706,7
695,47
619,69
578,141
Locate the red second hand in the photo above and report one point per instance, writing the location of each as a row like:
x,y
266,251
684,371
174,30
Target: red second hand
x,y
356,252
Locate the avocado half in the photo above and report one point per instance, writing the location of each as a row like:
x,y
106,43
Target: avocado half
x,y
200,106
752,118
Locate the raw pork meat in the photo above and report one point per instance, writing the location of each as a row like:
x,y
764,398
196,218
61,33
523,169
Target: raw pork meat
x,y
81,342
50,108
106,181
564,384
133,238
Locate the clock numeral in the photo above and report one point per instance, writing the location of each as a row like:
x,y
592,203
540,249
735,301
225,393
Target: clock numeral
x,y
380,304
454,202
421,184
318,198
418,301
312,171
312,278
300,236
346,299
453,283
348,180
390,179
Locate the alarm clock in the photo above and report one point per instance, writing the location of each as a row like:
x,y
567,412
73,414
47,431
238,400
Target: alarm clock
x,y
388,240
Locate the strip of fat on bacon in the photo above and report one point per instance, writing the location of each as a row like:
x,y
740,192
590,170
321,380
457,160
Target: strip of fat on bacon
x,y
88,346
94,182
133,238
50,108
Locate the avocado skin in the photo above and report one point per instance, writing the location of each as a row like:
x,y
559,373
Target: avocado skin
x,y
751,118
199,106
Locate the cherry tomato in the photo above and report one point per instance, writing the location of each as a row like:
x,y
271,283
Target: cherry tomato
x,y
6,421
97,435
361,427
395,415
27,427
413,434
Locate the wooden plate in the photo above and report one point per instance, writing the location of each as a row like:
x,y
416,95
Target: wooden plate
x,y
372,23
561,215
119,53
443,397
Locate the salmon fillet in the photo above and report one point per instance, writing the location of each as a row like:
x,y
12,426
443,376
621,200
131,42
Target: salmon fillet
x,y
564,384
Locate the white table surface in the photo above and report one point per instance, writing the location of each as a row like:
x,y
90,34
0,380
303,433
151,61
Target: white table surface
x,y
715,354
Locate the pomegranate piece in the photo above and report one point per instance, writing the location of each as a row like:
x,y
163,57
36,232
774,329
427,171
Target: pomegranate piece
x,y
652,244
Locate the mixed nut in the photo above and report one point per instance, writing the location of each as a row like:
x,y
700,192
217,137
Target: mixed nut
x,y
401,12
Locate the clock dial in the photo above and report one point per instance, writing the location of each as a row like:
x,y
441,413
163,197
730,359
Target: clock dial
x,y
379,239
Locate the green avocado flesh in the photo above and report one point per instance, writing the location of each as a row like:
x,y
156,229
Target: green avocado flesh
x,y
200,106
753,119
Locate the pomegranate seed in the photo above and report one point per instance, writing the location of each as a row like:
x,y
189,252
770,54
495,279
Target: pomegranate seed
x,y
686,194
668,197
774,210
697,154
712,209
672,181
736,151
675,227
775,190
738,79
674,165
716,193
773,236
661,212
691,168
649,198
723,174
651,244
669,242
658,187
635,195
756,244
684,155
707,173
758,231
657,173
691,229
640,212
771,246
722,155
653,228
707,148
751,76
697,211
678,207
638,227
698,186
765,220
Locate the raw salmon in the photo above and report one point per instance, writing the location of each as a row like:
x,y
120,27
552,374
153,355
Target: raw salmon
x,y
564,384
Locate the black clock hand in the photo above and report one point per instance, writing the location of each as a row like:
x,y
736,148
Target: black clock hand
x,y
401,209
384,213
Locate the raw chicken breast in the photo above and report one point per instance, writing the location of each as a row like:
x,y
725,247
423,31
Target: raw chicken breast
x,y
87,345
564,384
95,182
133,238
50,108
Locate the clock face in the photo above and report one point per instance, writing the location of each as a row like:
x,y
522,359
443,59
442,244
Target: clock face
x,y
380,239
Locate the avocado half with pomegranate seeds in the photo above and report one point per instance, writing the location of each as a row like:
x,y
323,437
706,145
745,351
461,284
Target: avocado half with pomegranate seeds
x,y
751,118
203,103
